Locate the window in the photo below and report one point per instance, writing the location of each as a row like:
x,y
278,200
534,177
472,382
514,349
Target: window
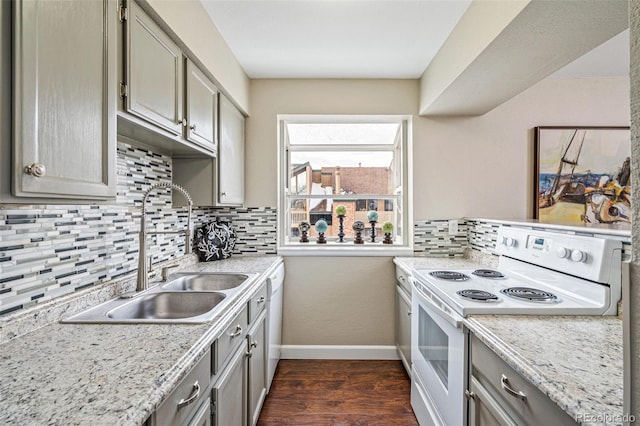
x,y
354,161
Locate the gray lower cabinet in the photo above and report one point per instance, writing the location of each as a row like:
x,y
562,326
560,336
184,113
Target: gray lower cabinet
x,y
403,317
186,401
229,401
203,415
64,100
500,396
154,72
257,355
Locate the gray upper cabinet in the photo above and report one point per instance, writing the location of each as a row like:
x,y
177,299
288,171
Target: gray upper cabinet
x,y
154,70
202,108
231,155
64,103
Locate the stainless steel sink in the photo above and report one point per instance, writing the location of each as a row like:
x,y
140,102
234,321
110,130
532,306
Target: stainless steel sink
x,y
214,281
167,306
189,298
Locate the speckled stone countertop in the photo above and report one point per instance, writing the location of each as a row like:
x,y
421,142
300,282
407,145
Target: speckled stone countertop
x,y
108,374
419,262
575,360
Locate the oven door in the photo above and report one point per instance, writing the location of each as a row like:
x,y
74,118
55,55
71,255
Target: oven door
x,y
439,355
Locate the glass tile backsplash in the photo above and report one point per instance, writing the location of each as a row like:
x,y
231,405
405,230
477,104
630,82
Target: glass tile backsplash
x,y
50,250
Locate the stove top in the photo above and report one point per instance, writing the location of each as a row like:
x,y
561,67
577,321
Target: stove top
x,y
539,273
522,289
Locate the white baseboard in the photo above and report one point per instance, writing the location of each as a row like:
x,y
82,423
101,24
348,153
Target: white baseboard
x,y
338,352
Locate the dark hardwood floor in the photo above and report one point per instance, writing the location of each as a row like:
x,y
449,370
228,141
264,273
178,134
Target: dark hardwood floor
x,y
338,392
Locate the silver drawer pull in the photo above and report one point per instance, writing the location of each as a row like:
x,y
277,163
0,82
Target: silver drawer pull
x,y
504,381
237,332
261,300
195,393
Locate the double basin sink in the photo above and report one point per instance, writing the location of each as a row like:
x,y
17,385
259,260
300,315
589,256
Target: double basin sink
x,y
187,298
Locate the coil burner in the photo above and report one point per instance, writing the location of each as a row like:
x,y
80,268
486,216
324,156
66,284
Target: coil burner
x,y
477,295
449,275
488,273
530,294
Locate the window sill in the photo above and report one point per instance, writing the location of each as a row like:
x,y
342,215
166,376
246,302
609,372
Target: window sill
x,y
344,249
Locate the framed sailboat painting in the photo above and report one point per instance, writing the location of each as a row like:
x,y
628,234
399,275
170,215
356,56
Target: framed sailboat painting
x,y
582,175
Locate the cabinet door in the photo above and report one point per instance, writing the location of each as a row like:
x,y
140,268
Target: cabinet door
x,y
229,392
154,73
231,155
65,98
202,108
403,327
484,410
257,368
203,416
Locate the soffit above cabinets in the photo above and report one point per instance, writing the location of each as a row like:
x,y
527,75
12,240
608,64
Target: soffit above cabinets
x,y
515,52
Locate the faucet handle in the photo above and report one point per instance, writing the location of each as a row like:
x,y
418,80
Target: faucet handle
x,y
165,271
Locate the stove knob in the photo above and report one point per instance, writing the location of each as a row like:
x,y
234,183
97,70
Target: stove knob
x,y
578,256
508,241
563,252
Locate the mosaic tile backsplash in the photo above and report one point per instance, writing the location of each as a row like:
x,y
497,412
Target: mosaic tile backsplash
x,y
47,251
431,238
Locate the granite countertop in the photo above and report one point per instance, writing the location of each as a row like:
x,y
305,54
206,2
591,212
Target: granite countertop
x,y
114,374
575,360
419,262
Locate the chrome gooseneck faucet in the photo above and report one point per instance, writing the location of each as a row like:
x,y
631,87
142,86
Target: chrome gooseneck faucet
x,y
143,279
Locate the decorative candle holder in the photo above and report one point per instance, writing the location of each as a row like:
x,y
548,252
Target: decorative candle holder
x,y
372,217
373,231
304,228
358,227
321,228
341,211
387,228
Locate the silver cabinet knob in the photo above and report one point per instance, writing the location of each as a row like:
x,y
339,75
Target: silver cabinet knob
x,y
224,194
36,170
182,122
193,127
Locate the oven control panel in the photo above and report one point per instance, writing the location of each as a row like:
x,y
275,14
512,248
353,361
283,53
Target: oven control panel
x,y
585,256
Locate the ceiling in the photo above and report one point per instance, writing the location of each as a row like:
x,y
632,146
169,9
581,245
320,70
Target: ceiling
x,y
335,38
362,38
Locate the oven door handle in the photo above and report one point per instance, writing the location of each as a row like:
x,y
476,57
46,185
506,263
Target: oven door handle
x,y
451,318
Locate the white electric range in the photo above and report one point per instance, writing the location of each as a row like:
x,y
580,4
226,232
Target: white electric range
x,y
539,273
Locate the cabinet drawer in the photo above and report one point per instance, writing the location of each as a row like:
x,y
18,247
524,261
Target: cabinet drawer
x,y
402,277
186,398
257,303
501,381
231,338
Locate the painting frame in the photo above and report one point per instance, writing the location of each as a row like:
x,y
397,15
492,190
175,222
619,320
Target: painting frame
x,y
585,176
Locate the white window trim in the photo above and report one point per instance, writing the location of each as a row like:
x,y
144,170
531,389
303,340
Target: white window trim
x,y
346,249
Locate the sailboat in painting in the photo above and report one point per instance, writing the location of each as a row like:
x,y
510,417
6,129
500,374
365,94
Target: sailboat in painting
x,y
595,197
564,187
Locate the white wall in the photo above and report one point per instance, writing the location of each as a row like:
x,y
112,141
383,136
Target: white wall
x,y
463,166
483,166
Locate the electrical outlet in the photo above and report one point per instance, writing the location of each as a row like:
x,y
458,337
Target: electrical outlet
x,y
453,227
